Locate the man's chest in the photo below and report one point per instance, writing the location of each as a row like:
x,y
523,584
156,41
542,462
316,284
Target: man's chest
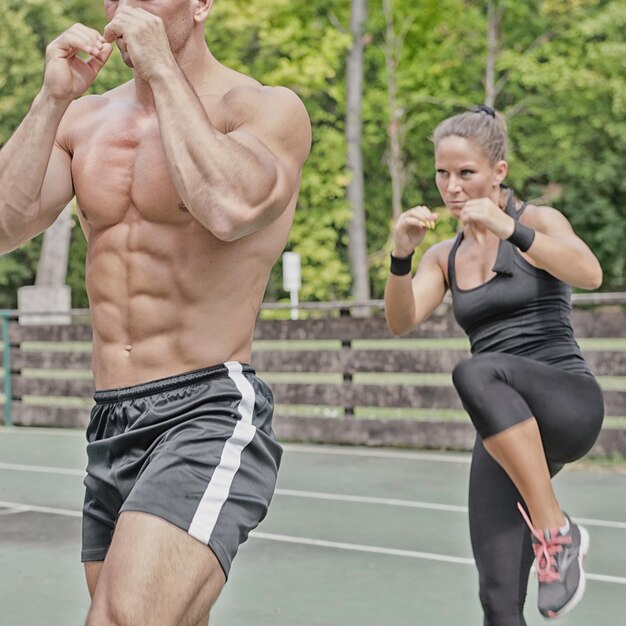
x,y
120,164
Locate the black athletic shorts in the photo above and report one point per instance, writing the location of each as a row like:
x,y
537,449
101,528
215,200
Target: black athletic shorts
x,y
196,450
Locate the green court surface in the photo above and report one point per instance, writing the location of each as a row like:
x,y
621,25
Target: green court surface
x,y
354,537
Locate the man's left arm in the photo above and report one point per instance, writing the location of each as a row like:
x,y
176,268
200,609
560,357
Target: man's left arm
x,y
238,181
233,182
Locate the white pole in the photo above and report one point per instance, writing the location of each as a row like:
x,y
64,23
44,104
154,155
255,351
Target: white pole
x,y
293,296
292,280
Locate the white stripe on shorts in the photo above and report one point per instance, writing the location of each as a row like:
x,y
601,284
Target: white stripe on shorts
x,y
217,491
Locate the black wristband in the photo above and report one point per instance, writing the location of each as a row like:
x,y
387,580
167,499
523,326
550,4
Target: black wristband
x,y
400,265
522,237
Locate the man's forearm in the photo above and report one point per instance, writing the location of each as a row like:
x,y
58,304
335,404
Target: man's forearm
x,y
23,164
218,179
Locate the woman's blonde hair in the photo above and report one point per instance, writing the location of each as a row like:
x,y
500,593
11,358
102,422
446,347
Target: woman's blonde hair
x,y
482,126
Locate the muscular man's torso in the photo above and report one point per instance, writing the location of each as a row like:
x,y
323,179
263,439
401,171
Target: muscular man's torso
x,y
166,296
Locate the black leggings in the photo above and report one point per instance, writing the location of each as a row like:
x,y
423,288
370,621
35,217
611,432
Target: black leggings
x,y
499,391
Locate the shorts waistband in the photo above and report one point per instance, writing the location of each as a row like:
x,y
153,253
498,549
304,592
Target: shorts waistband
x,y
167,384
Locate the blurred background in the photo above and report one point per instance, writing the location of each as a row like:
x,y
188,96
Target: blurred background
x,y
376,78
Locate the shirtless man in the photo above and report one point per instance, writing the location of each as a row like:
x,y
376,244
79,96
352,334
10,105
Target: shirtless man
x,y
186,180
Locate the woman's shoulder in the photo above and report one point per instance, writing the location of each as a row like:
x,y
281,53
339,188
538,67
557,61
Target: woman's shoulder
x,y
440,252
542,217
443,247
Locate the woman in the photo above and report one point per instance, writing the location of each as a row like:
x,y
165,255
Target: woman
x,y
527,388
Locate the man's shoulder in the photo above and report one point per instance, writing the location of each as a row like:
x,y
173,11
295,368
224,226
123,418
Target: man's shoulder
x,y
87,111
275,113
91,103
243,90
277,109
266,97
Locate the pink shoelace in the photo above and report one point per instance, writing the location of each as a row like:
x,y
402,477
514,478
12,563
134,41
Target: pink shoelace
x,y
546,550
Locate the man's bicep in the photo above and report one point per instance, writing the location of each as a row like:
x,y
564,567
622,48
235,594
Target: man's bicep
x,y
57,190
285,128
275,178
279,134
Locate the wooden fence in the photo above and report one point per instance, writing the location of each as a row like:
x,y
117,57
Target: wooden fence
x,y
326,374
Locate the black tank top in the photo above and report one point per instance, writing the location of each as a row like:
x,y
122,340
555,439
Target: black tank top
x,y
521,310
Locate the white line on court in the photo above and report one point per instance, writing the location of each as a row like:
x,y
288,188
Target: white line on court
x,y
371,500
291,447
15,467
381,454
13,511
47,432
601,578
620,580
599,522
31,508
316,495
336,545
320,543
416,504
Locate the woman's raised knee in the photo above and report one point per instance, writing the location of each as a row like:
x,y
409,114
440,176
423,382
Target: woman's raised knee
x,y
471,375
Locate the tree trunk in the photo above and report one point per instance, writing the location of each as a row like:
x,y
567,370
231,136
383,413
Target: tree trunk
x,y
357,246
395,115
52,268
49,300
492,85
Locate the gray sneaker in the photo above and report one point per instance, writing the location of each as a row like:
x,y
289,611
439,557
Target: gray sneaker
x,y
559,567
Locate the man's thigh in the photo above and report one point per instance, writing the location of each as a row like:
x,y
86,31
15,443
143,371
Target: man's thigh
x,y
154,573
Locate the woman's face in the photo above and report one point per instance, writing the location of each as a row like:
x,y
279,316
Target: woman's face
x,y
465,172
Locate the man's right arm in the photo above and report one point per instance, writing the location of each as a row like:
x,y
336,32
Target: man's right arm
x,y
35,171
35,178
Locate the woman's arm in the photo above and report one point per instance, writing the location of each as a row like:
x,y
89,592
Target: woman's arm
x,y
408,302
555,247
558,250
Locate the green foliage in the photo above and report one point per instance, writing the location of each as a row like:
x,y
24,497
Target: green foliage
x,y
27,26
572,133
17,269
563,91
21,51
439,70
76,266
299,46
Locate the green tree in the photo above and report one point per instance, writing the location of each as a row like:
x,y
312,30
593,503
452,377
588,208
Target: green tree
x,y
572,122
560,77
301,45
27,26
